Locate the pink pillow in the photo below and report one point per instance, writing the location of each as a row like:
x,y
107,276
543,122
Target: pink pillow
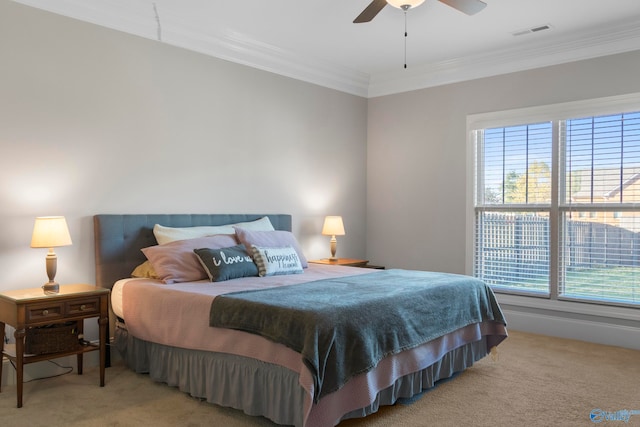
x,y
270,239
176,262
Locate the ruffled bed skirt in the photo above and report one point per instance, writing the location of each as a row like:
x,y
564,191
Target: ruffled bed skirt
x,y
263,389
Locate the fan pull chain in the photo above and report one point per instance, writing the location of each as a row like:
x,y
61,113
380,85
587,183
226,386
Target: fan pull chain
x,y
405,39
159,29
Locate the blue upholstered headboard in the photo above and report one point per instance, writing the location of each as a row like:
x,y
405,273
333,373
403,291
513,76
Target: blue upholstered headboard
x,y
119,238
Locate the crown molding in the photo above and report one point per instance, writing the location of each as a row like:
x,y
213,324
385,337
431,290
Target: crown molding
x,y
624,38
238,48
223,44
140,20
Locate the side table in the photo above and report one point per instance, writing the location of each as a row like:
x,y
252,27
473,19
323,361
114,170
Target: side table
x,y
31,308
349,262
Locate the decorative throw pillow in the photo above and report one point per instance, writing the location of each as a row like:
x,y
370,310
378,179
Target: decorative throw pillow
x,y
144,270
270,239
166,235
227,263
176,262
276,261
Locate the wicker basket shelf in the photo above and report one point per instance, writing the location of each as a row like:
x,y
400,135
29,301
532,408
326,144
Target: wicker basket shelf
x,y
51,338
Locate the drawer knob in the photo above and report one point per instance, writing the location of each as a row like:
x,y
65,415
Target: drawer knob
x,y
83,307
45,312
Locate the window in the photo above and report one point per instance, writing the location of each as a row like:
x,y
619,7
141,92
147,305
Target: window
x,y
556,202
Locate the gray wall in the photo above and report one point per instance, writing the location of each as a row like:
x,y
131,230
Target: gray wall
x,y
416,149
97,121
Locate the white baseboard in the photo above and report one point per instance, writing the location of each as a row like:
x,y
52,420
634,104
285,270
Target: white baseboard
x,y
583,330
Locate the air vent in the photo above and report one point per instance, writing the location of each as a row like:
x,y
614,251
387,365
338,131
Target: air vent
x,y
532,30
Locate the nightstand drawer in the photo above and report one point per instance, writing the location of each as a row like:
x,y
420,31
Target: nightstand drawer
x,y
42,312
83,307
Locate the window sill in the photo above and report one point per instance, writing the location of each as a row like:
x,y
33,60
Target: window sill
x,y
584,308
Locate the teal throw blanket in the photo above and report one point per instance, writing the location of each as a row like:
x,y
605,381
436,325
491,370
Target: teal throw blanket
x,y
345,326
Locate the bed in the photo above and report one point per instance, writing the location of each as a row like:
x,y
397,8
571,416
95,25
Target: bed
x,y
175,330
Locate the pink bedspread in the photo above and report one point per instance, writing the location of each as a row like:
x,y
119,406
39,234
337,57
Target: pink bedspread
x,y
178,315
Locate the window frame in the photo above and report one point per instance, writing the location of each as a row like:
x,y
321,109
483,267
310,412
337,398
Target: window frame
x,y
554,113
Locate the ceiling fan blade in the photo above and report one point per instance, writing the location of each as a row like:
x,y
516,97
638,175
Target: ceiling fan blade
x,y
470,7
370,11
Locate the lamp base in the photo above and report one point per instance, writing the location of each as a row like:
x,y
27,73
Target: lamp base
x,y
334,243
51,288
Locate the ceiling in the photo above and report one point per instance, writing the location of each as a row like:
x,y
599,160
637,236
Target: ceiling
x,y
316,40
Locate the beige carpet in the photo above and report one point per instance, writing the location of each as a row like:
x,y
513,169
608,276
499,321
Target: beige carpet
x,y
536,381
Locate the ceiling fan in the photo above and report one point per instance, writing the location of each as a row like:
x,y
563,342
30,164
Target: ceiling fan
x,y
470,7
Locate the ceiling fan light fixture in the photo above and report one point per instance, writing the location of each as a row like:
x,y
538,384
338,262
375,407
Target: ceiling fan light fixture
x,y
405,4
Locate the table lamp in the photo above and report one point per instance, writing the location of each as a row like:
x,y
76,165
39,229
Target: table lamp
x,y
333,227
49,232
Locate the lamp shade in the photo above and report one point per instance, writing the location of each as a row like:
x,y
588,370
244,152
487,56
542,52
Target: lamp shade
x,y
333,226
49,232
400,3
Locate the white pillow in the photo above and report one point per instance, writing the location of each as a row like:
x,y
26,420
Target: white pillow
x,y
166,235
276,261
262,224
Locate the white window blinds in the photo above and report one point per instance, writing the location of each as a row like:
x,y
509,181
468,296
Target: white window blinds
x,y
578,176
600,233
512,218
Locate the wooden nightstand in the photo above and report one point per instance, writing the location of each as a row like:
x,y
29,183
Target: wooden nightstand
x,y
363,263
30,308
